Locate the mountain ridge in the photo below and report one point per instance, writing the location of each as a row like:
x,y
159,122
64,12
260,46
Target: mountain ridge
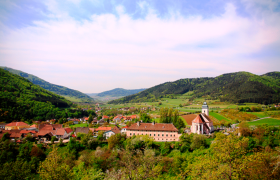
x,y
237,87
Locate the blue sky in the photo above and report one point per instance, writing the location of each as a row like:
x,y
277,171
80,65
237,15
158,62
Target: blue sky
x,y
98,45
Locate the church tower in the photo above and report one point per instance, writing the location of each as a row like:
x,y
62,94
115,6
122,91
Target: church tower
x,y
205,109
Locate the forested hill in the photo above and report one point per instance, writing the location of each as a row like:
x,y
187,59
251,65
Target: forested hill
x,y
119,92
236,87
20,99
60,90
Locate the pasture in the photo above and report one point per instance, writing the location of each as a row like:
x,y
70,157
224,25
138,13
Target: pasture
x,y
268,121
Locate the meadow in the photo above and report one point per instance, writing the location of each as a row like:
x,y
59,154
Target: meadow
x,y
268,121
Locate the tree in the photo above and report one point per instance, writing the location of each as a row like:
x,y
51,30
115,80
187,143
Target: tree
x,y
244,129
54,167
198,141
90,118
53,139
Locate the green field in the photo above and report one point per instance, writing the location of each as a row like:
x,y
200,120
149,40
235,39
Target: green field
x,y
80,125
218,116
269,121
259,114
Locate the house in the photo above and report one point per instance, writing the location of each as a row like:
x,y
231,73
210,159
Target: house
x,y
2,125
158,131
45,135
105,117
104,129
123,131
202,124
25,132
84,130
68,131
111,132
16,125
60,133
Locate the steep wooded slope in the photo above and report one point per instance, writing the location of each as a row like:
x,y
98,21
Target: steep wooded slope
x,y
60,90
20,99
236,87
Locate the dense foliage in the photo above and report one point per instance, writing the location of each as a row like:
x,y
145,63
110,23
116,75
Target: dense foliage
x,y
255,155
20,99
237,87
60,90
118,92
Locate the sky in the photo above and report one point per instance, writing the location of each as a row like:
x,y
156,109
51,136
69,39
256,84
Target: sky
x,y
98,45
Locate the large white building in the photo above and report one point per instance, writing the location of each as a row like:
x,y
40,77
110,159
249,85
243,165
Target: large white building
x,y
202,124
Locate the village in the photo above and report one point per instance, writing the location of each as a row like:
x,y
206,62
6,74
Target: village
x,y
49,132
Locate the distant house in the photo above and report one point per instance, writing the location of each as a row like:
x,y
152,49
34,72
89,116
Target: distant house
x,y
158,131
111,132
16,125
84,130
123,131
2,125
105,117
25,132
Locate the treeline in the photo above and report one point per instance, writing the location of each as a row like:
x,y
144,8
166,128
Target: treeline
x,y
22,100
168,115
237,87
254,155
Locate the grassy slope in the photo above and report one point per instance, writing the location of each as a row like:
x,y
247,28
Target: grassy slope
x,y
218,116
269,121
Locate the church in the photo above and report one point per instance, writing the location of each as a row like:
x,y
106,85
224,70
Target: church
x,y
202,124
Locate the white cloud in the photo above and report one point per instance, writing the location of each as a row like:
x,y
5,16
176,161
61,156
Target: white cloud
x,y
122,50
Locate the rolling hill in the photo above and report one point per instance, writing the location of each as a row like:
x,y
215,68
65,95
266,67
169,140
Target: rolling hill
x,y
236,87
113,94
117,92
70,94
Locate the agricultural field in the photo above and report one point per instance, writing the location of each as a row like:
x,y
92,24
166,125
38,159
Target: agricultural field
x,y
80,125
218,116
268,121
259,114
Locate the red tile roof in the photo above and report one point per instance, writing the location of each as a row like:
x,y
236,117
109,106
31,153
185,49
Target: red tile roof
x,y
45,131
116,130
68,130
103,129
17,124
105,117
197,119
27,131
15,135
34,125
125,127
60,132
151,127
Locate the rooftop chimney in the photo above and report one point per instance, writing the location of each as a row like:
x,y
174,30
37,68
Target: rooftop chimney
x,y
138,123
153,123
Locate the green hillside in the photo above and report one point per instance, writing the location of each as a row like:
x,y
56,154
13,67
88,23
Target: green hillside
x,y
70,94
20,99
117,92
236,87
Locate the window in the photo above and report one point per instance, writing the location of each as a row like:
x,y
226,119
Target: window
x,y
150,135
166,135
130,134
154,134
162,134
158,134
133,133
